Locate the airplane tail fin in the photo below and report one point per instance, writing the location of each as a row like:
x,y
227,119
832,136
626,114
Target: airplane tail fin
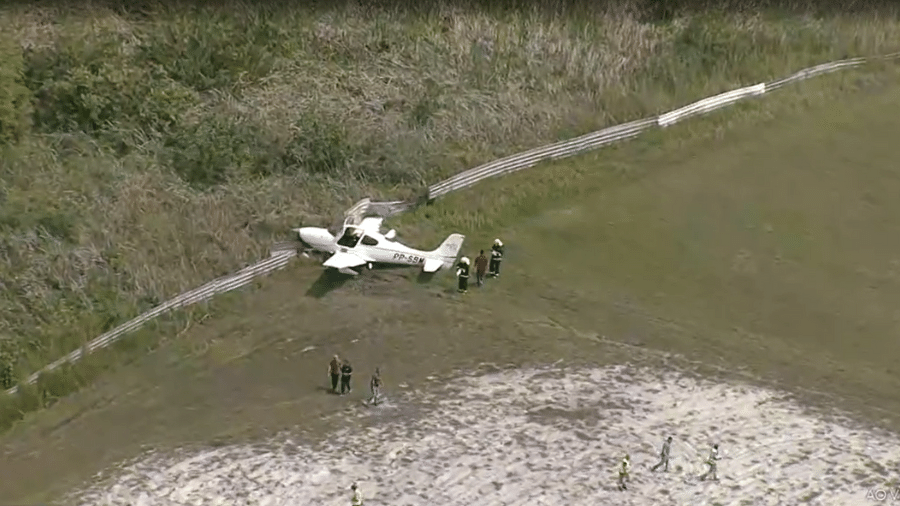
x,y
451,246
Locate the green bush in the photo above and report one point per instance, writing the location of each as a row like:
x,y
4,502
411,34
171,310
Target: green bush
x,y
15,97
88,86
20,213
225,48
321,147
216,150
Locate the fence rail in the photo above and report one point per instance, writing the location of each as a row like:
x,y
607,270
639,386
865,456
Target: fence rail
x,y
281,257
618,133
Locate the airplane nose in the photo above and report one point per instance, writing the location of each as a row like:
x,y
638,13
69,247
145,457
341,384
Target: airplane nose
x,y
316,237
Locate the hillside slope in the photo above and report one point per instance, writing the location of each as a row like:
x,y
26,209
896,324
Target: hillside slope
x,y
753,246
147,152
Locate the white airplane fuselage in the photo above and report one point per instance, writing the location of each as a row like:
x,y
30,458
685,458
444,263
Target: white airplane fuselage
x,y
361,245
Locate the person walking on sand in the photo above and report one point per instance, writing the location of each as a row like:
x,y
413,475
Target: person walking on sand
x,y
357,499
664,455
624,469
346,372
712,462
481,263
375,386
334,370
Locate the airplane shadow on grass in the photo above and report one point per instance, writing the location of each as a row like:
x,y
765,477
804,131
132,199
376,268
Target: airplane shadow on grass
x,y
327,282
331,280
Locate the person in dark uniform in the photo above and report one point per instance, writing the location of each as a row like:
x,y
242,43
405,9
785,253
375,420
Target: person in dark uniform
x,y
334,369
496,257
462,272
6,371
481,263
346,372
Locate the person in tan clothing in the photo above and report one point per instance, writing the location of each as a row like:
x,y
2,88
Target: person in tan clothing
x,y
481,264
334,369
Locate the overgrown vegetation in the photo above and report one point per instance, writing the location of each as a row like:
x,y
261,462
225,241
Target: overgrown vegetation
x,y
145,153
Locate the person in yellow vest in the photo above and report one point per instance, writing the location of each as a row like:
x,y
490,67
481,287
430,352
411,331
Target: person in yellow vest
x,y
712,461
357,499
624,469
496,257
462,272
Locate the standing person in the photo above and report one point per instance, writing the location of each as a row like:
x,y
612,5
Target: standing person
x,y
462,272
712,462
334,369
357,499
6,371
375,385
664,455
346,372
496,257
481,263
623,472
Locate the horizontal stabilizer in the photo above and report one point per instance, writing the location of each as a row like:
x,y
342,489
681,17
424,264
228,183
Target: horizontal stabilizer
x,y
343,260
432,265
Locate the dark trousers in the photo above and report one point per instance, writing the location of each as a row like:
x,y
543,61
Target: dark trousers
x,y
345,384
495,266
479,278
463,283
334,381
6,376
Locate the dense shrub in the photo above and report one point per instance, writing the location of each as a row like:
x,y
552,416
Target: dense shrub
x,y
90,86
15,97
219,149
226,48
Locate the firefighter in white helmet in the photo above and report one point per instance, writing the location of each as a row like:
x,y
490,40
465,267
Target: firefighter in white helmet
x,y
496,257
462,272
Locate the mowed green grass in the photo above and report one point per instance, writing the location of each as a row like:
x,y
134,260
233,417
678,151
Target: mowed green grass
x,y
761,240
770,245
773,246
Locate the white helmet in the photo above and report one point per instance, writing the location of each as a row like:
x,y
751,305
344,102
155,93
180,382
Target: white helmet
x,y
497,242
464,260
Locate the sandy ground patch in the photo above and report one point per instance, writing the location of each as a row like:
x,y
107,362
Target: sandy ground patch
x,y
545,436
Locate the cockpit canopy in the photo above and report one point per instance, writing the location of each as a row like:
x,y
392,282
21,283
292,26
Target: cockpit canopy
x,y
352,236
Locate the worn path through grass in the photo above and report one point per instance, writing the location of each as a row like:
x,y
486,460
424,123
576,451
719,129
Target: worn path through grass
x,y
767,248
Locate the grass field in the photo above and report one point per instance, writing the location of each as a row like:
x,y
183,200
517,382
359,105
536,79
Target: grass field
x,y
754,246
151,148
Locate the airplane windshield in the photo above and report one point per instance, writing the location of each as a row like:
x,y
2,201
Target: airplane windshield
x,y
350,238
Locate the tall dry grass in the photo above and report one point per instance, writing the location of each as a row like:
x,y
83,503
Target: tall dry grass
x,y
168,146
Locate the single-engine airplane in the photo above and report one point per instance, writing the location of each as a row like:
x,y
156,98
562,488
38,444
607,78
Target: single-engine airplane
x,y
362,243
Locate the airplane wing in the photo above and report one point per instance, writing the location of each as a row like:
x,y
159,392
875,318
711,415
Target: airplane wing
x,y
343,260
371,224
432,264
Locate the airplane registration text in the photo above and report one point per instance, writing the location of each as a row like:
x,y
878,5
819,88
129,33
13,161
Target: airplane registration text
x,y
412,259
